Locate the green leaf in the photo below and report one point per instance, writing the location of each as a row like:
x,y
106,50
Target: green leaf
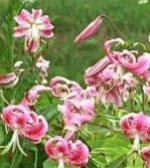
x,y
49,163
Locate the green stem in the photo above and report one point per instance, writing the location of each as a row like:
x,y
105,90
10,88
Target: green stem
x,y
106,116
3,97
36,158
142,103
119,31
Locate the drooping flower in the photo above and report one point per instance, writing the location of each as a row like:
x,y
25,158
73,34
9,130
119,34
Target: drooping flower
x,y
67,152
90,30
15,117
35,128
139,66
136,127
31,96
133,124
127,59
64,88
57,148
78,153
33,26
24,123
113,55
111,83
77,112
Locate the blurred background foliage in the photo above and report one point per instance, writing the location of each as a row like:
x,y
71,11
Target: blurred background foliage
x,y
109,146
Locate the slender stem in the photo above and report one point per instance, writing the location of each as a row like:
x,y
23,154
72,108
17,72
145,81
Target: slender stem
x,y
3,97
19,146
36,158
142,103
119,31
106,116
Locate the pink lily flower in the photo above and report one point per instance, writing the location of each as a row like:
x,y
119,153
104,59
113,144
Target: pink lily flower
x,y
67,152
127,59
64,88
111,84
33,26
35,128
145,155
135,126
90,30
31,97
114,55
138,67
78,153
76,112
24,123
15,117
57,148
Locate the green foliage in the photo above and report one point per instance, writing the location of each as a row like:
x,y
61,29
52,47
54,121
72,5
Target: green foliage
x,y
108,145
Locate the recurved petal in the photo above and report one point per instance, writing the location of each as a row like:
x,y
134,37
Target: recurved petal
x,y
141,65
19,31
99,66
35,131
46,33
31,44
107,46
43,23
36,13
24,18
9,79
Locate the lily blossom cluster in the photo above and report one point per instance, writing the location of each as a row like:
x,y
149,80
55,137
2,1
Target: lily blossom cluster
x,y
78,105
77,108
33,26
136,126
109,75
67,152
109,78
24,121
